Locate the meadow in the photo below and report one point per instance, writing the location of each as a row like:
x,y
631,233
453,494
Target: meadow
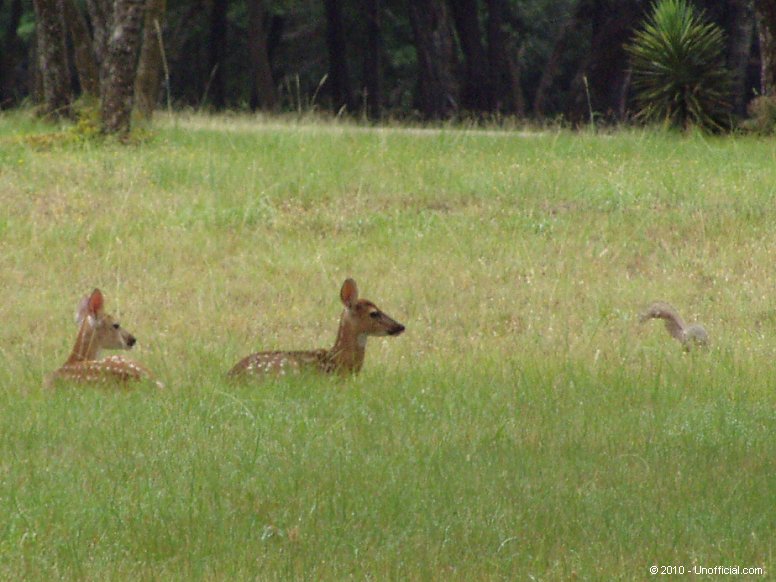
x,y
526,426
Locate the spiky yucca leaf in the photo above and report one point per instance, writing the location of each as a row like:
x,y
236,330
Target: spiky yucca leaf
x,y
678,70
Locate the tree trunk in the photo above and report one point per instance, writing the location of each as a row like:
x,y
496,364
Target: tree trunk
x,y
373,67
622,101
274,35
149,66
597,85
765,11
218,23
263,92
476,93
504,71
100,15
85,61
52,57
434,46
741,20
121,66
339,80
552,67
9,54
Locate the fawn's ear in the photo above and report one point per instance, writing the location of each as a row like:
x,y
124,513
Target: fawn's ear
x,y
96,301
349,293
90,306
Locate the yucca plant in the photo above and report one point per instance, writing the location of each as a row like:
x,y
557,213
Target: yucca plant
x,y
679,75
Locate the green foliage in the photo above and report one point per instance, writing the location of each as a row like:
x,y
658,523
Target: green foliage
x,y
85,130
762,115
678,69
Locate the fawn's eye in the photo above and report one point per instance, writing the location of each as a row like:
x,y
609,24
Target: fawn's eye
x,y
116,326
374,314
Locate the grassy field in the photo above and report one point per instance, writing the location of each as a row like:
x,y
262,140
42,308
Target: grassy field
x,y
525,427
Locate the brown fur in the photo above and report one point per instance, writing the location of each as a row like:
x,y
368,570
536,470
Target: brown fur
x,y
688,335
360,319
99,330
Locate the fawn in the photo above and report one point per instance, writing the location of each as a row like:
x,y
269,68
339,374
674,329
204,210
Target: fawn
x,y
99,331
360,319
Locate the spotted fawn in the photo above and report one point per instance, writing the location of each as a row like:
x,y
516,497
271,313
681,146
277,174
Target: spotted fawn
x,y
99,331
360,319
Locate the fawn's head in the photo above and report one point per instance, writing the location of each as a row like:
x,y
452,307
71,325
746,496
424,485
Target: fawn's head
x,y
98,329
366,318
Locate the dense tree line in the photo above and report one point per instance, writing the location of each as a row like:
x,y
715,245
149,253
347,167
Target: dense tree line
x,y
425,58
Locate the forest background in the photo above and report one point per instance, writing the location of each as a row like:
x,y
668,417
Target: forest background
x,y
426,59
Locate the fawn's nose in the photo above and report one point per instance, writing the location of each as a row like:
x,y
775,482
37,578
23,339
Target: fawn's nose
x,y
396,330
131,341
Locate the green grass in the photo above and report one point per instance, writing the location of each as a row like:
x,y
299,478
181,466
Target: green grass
x,y
526,426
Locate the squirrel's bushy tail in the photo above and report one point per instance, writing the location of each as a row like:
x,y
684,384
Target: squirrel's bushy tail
x,y
688,335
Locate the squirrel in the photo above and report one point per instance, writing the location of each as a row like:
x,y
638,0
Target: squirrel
x,y
688,335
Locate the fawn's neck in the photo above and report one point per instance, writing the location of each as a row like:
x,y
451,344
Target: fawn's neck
x,y
347,355
85,347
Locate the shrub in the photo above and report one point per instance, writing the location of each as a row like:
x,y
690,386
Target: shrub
x,y
678,71
762,115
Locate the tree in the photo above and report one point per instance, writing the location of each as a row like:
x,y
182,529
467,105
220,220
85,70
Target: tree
x,y
600,83
218,52
430,56
52,57
434,46
552,66
766,30
339,80
263,93
100,14
741,31
9,54
149,67
85,61
504,71
373,62
476,88
117,86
